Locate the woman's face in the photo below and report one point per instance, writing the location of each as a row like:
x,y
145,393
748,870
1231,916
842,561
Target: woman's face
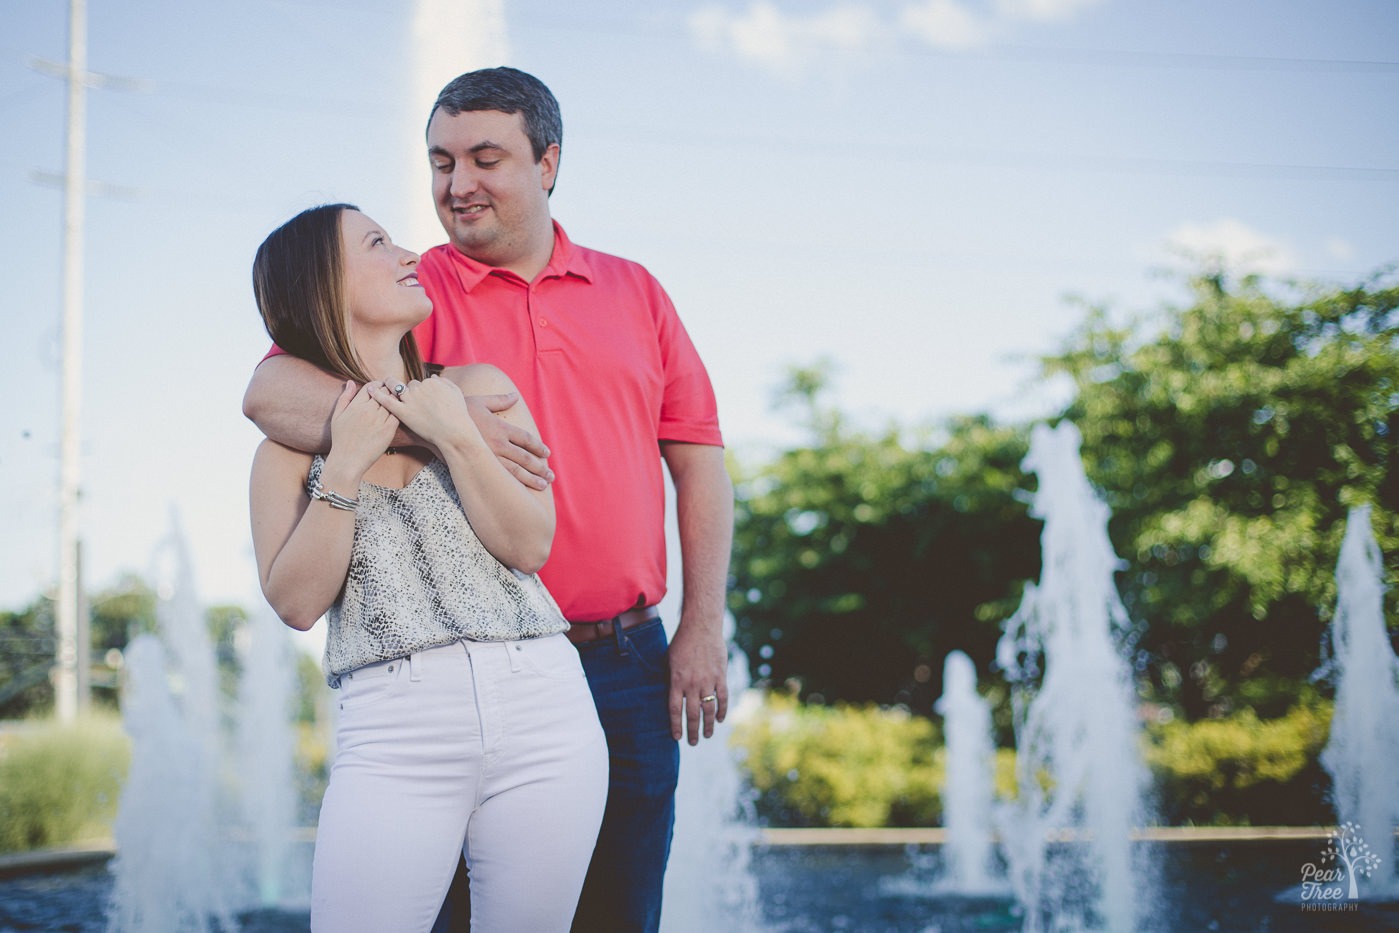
x,y
381,279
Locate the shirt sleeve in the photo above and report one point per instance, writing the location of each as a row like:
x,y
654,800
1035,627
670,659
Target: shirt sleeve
x,y
689,411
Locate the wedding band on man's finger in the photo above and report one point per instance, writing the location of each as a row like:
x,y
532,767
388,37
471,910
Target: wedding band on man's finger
x,y
711,698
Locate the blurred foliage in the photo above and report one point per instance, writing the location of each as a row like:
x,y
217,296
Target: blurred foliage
x,y
860,561
867,766
847,765
840,765
121,612
1229,442
27,647
1241,770
1229,437
312,769
118,613
60,784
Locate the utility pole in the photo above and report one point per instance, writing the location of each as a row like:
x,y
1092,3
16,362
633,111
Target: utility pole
x,y
68,699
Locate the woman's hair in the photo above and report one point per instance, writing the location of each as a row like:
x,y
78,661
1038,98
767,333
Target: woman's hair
x,y
298,281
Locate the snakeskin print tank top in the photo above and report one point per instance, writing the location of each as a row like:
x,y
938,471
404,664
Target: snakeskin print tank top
x,y
419,578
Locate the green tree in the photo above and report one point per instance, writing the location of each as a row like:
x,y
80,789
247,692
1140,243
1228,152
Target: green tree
x,y
1229,443
117,613
861,560
27,648
120,612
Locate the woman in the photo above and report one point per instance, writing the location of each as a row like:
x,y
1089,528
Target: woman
x,y
466,725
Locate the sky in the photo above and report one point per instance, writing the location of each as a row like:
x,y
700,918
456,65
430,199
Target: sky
x,y
912,189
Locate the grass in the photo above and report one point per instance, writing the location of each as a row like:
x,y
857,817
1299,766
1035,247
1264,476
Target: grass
x,y
59,784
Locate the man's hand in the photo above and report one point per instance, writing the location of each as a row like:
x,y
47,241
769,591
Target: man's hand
x,y
523,454
699,690
699,686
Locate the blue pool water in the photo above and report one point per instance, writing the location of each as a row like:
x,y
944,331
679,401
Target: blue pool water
x,y
1203,888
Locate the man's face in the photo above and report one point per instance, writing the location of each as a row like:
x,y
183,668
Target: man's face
x,y
492,196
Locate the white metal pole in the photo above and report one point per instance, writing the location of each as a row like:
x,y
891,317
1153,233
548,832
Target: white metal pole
x,y
65,678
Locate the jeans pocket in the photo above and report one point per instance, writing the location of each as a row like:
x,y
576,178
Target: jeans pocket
x,y
647,646
370,684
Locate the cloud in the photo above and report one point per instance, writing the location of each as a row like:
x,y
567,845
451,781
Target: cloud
x,y
1339,248
1234,245
1042,10
785,42
946,24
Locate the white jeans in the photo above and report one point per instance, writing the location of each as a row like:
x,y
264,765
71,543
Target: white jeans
x,y
491,749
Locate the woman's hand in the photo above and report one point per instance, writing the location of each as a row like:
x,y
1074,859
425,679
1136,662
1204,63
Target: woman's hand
x,y
360,431
433,409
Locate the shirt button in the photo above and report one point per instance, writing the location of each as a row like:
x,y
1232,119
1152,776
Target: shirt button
x,y
543,322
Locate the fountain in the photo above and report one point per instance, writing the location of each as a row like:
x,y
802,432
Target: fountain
x,y
1067,839
709,884
1363,750
170,870
178,866
968,856
1064,638
266,762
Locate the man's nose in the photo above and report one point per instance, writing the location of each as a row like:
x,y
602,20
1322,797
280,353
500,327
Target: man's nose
x,y
463,182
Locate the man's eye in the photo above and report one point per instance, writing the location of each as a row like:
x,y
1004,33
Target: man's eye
x,y
492,163
442,166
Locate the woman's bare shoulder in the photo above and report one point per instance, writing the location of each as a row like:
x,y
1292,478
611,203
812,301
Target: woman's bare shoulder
x,y
479,379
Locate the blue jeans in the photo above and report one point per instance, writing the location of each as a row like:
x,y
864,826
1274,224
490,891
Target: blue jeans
x,y
630,678
629,675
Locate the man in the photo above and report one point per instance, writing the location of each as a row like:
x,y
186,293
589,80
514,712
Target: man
x,y
596,348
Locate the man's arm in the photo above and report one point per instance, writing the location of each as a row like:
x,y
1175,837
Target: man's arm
x,y
698,655
291,400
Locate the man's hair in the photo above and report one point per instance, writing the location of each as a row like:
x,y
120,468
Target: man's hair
x,y
508,90
298,282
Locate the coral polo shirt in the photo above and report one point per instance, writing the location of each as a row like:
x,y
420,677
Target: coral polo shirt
x,y
608,371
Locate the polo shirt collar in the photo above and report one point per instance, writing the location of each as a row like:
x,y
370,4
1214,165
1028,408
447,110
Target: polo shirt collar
x,y
566,259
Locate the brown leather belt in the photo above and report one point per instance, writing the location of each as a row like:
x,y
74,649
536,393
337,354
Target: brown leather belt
x,y
581,633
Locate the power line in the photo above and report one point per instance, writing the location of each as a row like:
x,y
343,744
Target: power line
x,y
901,151
1200,61
1102,57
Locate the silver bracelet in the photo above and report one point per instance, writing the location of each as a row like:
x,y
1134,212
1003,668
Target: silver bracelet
x,y
332,499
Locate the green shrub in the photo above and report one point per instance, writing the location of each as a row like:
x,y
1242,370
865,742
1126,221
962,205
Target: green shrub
x,y
60,784
868,766
1243,770
839,765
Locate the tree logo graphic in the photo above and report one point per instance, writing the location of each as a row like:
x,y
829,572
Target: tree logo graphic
x,y
1349,851
1332,885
